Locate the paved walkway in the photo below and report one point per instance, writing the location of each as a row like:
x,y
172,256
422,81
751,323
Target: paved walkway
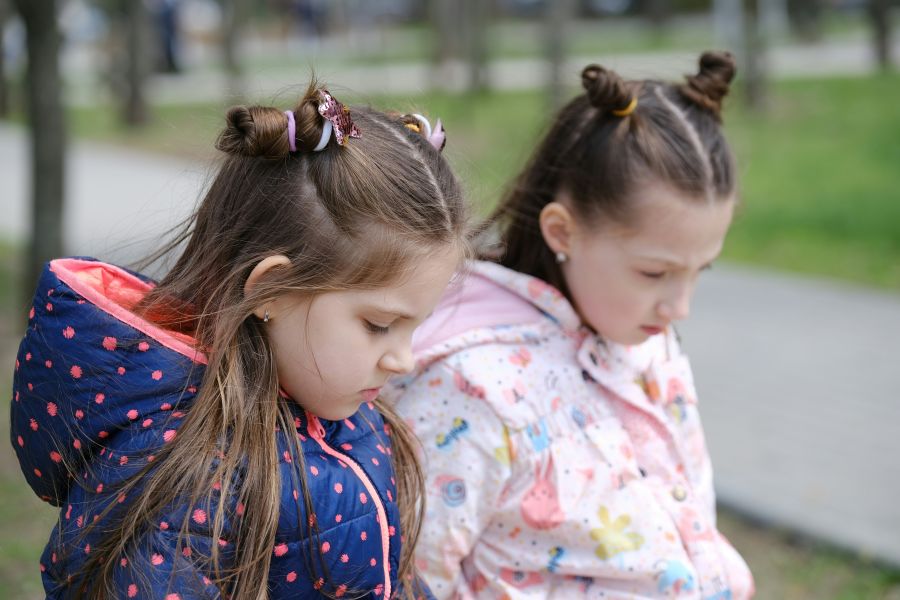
x,y
798,382
119,200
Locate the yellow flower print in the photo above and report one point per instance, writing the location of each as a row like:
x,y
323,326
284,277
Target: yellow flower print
x,y
612,536
505,454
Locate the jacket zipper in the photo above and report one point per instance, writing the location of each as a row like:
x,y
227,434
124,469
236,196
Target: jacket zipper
x,y
317,432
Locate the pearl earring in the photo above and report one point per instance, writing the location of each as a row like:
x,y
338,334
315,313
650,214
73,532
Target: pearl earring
x,y
561,257
266,316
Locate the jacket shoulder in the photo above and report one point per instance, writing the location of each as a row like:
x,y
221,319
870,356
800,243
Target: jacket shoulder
x,y
520,375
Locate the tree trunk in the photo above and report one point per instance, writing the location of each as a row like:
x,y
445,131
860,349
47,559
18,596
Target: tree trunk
x,y
46,122
774,18
137,25
754,66
4,87
447,23
728,24
557,19
658,14
477,16
806,18
234,14
879,14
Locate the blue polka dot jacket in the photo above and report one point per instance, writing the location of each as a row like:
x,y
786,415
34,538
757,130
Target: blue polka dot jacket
x,y
97,391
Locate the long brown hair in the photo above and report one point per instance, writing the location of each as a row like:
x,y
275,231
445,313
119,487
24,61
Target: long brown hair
x,y
348,217
599,147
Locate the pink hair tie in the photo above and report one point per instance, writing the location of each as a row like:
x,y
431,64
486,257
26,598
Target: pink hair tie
x,y
436,136
292,130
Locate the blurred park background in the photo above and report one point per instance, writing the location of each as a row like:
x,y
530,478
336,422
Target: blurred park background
x,y
109,110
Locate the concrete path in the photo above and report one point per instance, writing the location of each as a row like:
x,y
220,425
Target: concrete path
x,y
119,201
798,382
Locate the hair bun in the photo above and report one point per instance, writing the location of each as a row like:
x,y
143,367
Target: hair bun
x,y
605,89
712,82
254,131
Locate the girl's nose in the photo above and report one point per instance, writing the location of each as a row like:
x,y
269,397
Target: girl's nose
x,y
678,306
399,360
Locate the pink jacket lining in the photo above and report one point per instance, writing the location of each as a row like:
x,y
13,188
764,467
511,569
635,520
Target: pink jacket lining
x,y
489,306
114,291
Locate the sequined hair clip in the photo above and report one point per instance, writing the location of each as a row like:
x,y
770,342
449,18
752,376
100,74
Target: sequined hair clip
x,y
336,120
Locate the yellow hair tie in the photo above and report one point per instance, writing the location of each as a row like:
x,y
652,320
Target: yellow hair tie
x,y
624,112
413,127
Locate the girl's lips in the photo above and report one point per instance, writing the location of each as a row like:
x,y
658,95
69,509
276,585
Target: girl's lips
x,y
651,330
370,394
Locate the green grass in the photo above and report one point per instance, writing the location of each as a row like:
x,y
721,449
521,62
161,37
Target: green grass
x,y
25,521
184,130
821,180
786,567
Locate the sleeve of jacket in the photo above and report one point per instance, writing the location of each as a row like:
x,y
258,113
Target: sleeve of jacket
x,y
466,464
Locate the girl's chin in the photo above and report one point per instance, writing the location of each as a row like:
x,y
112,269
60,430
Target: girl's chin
x,y
639,336
339,414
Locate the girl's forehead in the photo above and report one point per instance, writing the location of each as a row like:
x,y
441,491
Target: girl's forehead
x,y
409,294
671,227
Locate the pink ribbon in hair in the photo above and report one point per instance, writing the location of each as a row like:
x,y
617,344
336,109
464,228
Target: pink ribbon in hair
x,y
438,137
339,115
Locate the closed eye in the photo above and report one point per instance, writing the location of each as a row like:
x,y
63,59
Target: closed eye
x,y
376,329
653,274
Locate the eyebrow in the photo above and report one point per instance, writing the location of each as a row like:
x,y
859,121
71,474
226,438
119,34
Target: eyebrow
x,y
661,259
671,262
392,311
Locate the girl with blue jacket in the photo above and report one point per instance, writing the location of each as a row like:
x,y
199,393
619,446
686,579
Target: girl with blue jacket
x,y
219,434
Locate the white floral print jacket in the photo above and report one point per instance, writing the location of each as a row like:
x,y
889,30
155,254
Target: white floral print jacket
x,y
559,466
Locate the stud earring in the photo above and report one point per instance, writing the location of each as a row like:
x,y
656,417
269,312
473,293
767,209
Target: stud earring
x,y
561,257
266,316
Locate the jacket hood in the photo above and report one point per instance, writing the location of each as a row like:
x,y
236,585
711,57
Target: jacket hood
x,y
88,369
494,304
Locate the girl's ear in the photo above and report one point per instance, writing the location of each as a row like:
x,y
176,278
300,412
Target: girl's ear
x,y
261,268
557,226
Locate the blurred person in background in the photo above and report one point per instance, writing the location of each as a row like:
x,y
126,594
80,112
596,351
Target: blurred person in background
x,y
166,13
